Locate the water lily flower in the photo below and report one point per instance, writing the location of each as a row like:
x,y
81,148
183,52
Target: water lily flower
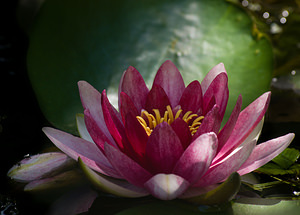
x,y
167,141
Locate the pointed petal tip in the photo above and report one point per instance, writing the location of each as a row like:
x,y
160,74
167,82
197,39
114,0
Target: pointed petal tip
x,y
81,83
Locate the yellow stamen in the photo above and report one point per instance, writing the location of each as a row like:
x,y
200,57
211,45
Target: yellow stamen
x,y
178,113
193,120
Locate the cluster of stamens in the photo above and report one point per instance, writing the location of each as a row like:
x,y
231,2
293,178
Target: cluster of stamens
x,y
192,120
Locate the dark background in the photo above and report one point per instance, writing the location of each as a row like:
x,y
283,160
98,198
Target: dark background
x,y
20,117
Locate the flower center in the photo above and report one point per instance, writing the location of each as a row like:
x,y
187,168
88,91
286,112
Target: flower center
x,y
149,121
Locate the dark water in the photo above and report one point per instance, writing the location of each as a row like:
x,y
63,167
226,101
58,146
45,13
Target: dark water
x,y
20,117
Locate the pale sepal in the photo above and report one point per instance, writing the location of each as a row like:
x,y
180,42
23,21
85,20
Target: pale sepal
x,y
40,166
65,179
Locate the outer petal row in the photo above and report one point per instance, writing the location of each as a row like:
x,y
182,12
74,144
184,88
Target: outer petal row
x,y
247,121
265,152
77,147
220,171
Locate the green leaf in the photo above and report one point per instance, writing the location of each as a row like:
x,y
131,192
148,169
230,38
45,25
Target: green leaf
x,y
96,41
288,157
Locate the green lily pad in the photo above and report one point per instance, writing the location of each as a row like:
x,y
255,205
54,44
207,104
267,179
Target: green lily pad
x,y
260,206
96,41
177,208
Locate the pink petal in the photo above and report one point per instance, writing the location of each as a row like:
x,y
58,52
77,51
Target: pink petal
x,y
182,130
208,106
191,99
246,123
221,170
211,123
111,185
133,84
127,106
166,186
225,133
115,124
128,168
91,99
95,132
163,149
197,158
157,99
211,75
265,152
137,136
169,78
76,147
219,90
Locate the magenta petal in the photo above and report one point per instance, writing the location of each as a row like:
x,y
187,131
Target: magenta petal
x,y
225,133
211,75
247,121
137,135
182,130
208,106
265,152
197,158
114,124
127,106
211,123
157,99
76,147
95,132
191,99
163,149
132,83
128,168
220,171
166,186
169,78
219,90
91,99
